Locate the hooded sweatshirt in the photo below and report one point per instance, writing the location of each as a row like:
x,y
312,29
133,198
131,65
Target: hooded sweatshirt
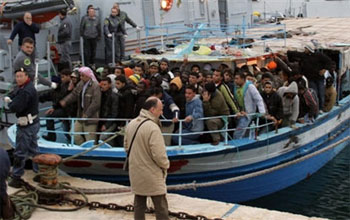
x,y
290,106
178,95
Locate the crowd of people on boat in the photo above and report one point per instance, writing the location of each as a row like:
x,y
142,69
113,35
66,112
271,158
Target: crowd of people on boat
x,y
280,91
291,88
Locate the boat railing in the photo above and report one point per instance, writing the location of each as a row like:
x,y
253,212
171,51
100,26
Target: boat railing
x,y
225,130
178,33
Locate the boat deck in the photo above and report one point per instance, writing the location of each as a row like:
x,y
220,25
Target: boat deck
x,y
177,203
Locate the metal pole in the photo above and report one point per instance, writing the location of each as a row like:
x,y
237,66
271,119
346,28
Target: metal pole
x,y
36,73
48,60
82,51
72,135
226,128
10,54
180,133
113,48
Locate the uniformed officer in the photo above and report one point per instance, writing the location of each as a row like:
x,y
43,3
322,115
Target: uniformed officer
x,y
121,33
111,25
64,40
90,30
26,61
24,102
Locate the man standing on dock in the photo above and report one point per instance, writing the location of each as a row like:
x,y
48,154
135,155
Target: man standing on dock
x,y
148,160
24,102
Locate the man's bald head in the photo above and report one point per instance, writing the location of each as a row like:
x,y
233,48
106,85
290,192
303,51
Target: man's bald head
x,y
154,105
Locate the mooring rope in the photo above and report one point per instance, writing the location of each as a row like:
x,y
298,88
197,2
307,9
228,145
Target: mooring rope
x,y
26,201
94,147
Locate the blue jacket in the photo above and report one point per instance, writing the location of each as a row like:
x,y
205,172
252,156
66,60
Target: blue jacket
x,y
25,101
194,108
23,30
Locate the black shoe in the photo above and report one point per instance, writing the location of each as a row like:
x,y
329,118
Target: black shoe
x,y
36,179
49,138
16,183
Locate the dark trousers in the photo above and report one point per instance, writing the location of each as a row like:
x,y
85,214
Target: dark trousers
x,y
160,205
109,50
50,124
90,51
319,87
119,47
26,146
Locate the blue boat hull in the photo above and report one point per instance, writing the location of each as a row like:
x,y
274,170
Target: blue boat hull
x,y
262,185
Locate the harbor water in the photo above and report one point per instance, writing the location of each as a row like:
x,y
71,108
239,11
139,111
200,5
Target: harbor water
x,y
325,194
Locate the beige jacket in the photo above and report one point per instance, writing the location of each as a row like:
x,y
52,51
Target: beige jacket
x,y
148,161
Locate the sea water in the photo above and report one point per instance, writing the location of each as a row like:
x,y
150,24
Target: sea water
x,y
325,194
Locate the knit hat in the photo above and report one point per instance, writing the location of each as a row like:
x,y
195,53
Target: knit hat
x,y
177,81
135,78
156,64
157,78
271,65
99,70
310,48
164,60
74,75
128,72
86,71
75,72
147,82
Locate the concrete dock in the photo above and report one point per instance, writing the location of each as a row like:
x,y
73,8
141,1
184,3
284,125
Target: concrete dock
x,y
177,203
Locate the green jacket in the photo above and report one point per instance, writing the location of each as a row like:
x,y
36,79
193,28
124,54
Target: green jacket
x,y
228,96
216,105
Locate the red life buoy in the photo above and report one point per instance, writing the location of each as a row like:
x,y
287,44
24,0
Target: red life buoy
x,y
166,5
